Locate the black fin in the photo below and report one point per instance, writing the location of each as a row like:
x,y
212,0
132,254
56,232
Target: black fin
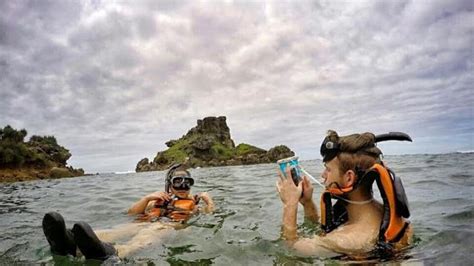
x,y
90,245
60,239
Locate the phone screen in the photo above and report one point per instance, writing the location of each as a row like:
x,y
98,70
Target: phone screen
x,y
294,175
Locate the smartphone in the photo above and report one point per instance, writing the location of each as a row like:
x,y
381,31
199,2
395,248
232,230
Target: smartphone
x,y
295,176
291,162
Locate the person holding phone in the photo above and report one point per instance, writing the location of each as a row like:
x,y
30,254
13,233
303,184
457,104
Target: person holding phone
x,y
356,225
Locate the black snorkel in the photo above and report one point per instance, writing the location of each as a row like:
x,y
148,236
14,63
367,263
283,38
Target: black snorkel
x,y
400,136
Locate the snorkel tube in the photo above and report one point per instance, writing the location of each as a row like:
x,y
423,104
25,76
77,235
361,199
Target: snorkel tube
x,y
400,136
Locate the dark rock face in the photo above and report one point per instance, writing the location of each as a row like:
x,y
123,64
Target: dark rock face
x,y
143,164
211,130
279,152
210,144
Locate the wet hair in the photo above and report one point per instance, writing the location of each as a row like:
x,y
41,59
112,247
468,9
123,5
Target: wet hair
x,y
181,173
356,143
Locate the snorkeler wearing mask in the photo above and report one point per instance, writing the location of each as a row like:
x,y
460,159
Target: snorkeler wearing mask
x,y
175,203
165,210
356,225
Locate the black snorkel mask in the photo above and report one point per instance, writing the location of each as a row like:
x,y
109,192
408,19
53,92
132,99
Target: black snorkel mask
x,y
179,181
182,182
330,149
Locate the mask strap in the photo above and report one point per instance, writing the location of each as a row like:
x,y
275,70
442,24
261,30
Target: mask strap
x,y
338,190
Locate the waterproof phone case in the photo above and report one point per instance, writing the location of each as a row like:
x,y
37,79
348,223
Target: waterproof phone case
x,y
291,162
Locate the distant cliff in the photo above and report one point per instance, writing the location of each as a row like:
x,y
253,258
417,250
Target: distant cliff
x,y
210,144
39,158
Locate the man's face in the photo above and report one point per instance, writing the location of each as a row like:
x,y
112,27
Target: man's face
x,y
331,173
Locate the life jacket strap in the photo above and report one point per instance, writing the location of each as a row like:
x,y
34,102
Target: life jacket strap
x,y
332,216
393,224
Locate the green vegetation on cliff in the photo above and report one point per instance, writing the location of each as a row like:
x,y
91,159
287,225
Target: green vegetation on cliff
x,y
40,157
244,149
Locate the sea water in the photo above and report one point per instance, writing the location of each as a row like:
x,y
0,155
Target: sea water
x,y
245,228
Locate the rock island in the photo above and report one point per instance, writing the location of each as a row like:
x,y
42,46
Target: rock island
x,y
210,144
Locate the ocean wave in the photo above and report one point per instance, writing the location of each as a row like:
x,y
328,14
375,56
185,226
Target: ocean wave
x,y
124,172
466,151
431,182
464,215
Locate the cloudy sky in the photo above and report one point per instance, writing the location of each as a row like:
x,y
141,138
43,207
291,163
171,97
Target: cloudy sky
x,y
115,80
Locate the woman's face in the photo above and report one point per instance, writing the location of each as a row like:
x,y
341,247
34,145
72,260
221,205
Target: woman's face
x,y
181,193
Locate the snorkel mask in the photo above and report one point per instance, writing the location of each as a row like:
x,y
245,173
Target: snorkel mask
x,y
329,149
178,178
182,182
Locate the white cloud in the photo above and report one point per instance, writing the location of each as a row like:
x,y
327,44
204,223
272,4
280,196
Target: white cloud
x,y
115,80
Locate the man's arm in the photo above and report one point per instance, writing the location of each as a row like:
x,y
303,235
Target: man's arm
x,y
310,209
289,195
309,247
311,212
140,206
289,227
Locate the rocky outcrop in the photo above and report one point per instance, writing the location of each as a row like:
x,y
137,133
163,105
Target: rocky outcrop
x,y
209,143
279,152
39,158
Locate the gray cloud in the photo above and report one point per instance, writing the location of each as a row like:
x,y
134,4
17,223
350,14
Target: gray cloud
x,y
114,81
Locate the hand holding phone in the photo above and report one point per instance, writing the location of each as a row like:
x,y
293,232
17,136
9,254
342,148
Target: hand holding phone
x,y
295,176
295,170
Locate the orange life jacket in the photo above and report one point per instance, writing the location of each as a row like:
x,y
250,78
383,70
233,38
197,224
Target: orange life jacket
x,y
177,210
395,206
